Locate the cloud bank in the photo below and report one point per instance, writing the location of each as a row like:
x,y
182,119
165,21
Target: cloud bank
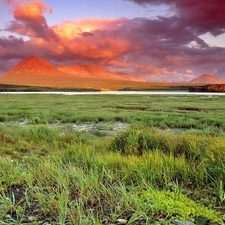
x,y
160,49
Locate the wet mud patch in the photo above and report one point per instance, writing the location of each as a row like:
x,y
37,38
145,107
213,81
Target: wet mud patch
x,y
99,129
96,128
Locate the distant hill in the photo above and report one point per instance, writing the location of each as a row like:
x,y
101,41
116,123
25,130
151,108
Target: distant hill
x,y
207,79
33,71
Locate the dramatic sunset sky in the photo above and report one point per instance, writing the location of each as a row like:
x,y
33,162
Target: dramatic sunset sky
x,y
162,40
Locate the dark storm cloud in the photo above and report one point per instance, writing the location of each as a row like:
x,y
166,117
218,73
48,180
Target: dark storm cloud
x,y
202,15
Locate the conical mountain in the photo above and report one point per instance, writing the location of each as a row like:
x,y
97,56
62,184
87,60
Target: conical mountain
x,y
34,65
207,79
32,71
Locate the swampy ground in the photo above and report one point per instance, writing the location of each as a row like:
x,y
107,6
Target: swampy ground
x,y
138,160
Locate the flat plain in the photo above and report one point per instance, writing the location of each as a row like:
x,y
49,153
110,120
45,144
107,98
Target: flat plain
x,y
165,162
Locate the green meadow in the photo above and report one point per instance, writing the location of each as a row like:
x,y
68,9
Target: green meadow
x,y
167,162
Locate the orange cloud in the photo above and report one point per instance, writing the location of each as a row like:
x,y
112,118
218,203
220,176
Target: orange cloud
x,y
71,29
92,39
29,10
29,19
94,48
25,11
189,71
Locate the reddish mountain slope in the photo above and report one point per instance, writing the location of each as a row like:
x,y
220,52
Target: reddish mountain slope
x,y
34,71
207,79
34,65
90,71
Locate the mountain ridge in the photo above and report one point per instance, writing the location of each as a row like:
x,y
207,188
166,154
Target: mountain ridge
x,y
35,71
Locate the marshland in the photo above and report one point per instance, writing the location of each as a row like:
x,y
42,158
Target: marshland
x,y
165,161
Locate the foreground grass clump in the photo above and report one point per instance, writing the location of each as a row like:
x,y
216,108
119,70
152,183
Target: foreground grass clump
x,y
193,146
140,175
189,158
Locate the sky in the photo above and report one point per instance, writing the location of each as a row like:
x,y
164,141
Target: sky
x,y
161,40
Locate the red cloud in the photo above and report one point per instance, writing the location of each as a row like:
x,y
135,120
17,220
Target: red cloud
x,y
93,39
29,19
71,29
30,11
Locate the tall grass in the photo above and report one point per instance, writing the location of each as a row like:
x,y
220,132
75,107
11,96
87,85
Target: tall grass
x,y
100,181
142,175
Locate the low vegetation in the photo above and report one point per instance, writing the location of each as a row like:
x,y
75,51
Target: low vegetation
x,y
168,164
208,88
101,86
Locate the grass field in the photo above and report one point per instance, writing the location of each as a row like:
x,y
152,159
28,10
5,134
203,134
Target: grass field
x,y
167,164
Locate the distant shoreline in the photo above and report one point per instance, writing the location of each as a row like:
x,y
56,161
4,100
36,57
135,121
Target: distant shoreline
x,y
136,87
115,93
211,88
